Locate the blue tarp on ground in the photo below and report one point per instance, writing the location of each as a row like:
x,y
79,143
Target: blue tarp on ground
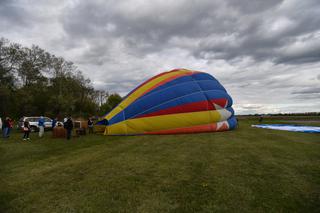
x,y
287,127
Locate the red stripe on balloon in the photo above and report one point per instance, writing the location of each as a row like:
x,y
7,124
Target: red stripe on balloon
x,y
190,107
223,127
222,102
213,127
193,129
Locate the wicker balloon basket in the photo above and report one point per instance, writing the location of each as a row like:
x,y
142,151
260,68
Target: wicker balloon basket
x,y
59,132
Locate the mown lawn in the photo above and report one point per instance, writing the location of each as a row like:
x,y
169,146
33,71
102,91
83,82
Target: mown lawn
x,y
246,170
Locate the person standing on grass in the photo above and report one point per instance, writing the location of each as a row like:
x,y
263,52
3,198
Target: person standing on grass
x,y
54,122
90,125
69,126
41,126
5,127
26,130
10,126
260,119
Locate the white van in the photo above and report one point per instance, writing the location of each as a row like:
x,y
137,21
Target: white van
x,y
33,121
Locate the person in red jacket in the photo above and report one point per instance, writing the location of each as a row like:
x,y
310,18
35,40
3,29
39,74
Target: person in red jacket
x,y
7,126
11,122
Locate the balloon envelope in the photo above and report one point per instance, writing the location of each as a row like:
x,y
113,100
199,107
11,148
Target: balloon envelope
x,y
178,101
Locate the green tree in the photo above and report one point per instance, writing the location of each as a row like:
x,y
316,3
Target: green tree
x,y
112,101
35,82
9,59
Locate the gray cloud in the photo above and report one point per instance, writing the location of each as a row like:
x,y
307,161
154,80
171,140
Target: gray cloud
x,y
263,30
313,90
308,98
12,14
266,53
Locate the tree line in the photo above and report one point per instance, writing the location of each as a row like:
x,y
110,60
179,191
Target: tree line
x,y
35,82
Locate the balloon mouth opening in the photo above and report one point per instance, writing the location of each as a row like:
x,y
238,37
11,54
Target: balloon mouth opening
x,y
104,122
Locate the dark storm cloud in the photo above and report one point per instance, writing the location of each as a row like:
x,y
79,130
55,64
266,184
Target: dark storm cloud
x,y
263,30
146,27
266,53
270,35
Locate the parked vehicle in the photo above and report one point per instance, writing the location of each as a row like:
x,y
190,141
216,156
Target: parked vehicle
x,y
33,121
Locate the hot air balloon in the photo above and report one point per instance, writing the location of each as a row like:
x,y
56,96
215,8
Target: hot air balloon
x,y
174,102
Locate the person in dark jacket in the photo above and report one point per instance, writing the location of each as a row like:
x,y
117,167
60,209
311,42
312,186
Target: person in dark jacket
x,y
26,130
68,125
5,127
90,125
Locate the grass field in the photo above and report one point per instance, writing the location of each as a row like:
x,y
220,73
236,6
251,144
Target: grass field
x,y
246,170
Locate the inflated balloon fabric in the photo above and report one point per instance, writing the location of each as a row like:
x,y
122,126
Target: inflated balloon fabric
x,y
178,101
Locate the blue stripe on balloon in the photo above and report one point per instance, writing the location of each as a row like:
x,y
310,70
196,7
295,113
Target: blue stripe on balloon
x,y
183,90
191,98
202,79
133,111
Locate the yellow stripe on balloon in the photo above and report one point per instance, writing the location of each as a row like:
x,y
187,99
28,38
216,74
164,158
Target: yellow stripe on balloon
x,y
163,122
140,91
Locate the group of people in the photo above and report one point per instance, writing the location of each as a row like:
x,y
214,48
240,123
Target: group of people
x,y
7,125
27,128
67,124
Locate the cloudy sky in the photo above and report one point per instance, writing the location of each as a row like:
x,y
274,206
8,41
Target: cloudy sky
x,y
265,52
